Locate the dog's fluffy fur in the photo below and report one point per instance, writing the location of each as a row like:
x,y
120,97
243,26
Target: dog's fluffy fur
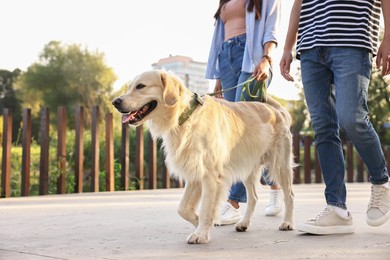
x,y
220,143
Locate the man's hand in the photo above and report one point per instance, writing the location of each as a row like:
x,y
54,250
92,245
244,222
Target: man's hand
x,y
284,65
383,57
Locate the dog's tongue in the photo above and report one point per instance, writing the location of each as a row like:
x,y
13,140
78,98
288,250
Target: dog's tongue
x,y
132,116
127,118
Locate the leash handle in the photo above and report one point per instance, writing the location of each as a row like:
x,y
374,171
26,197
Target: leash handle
x,y
258,92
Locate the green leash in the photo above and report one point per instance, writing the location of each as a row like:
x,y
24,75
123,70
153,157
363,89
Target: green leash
x,y
258,93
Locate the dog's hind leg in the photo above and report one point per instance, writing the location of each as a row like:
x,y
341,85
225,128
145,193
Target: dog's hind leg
x,y
250,185
213,192
286,184
285,162
189,202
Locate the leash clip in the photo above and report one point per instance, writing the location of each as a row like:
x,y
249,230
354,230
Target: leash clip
x,y
199,99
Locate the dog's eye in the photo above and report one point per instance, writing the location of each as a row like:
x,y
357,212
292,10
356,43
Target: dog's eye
x,y
139,86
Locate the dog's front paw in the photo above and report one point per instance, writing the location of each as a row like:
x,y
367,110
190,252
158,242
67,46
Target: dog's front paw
x,y
198,238
286,226
242,226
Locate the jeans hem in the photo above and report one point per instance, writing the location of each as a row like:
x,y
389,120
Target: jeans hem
x,y
339,205
237,199
379,182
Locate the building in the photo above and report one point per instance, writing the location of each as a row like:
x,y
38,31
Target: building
x,y
191,72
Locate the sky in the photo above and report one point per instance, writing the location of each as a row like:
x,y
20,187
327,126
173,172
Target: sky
x,y
132,34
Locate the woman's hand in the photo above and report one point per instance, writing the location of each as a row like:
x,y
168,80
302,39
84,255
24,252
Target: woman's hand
x,y
261,71
218,88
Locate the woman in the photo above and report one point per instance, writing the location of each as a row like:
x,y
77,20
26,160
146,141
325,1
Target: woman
x,y
242,46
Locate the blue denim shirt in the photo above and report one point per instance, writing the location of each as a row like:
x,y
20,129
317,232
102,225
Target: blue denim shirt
x,y
258,32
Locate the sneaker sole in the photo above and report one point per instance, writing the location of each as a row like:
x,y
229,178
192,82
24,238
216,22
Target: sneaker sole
x,y
230,222
325,230
379,221
272,214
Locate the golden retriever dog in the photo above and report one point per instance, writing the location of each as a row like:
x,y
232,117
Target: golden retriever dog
x,y
212,143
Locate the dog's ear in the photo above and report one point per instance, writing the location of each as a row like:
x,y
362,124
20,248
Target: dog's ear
x,y
170,89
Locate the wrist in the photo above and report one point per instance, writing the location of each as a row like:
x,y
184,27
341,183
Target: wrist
x,y
268,58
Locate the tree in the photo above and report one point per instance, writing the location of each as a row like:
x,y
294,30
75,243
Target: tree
x,y
69,76
9,100
299,114
379,101
298,110
379,105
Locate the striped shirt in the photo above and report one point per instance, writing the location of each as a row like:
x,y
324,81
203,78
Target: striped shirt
x,y
346,23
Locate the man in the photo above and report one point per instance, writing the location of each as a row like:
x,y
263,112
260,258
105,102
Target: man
x,y
335,44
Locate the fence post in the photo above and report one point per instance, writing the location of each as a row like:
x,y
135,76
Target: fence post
x,y
125,144
179,183
44,157
166,179
79,153
6,156
307,158
95,150
110,180
61,150
296,152
152,163
26,153
139,156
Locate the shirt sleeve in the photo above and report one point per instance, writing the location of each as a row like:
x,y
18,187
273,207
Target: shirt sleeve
x,y
212,69
272,22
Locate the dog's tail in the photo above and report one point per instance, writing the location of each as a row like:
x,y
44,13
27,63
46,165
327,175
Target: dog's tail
x,y
272,102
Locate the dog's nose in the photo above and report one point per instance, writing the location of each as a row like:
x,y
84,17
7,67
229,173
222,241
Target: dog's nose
x,y
117,102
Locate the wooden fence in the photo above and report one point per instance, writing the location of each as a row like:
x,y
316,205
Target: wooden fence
x,y
305,155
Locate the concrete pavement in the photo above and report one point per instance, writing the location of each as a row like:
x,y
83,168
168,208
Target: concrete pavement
x,y
145,225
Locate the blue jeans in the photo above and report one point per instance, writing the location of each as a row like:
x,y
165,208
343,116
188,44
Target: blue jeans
x,y
230,64
335,81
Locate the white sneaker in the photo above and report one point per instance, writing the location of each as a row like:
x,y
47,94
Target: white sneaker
x,y
378,211
275,204
328,222
229,215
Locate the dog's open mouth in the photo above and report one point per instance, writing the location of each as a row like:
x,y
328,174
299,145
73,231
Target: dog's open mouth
x,y
136,116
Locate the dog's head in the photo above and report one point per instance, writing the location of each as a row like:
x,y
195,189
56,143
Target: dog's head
x,y
150,95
